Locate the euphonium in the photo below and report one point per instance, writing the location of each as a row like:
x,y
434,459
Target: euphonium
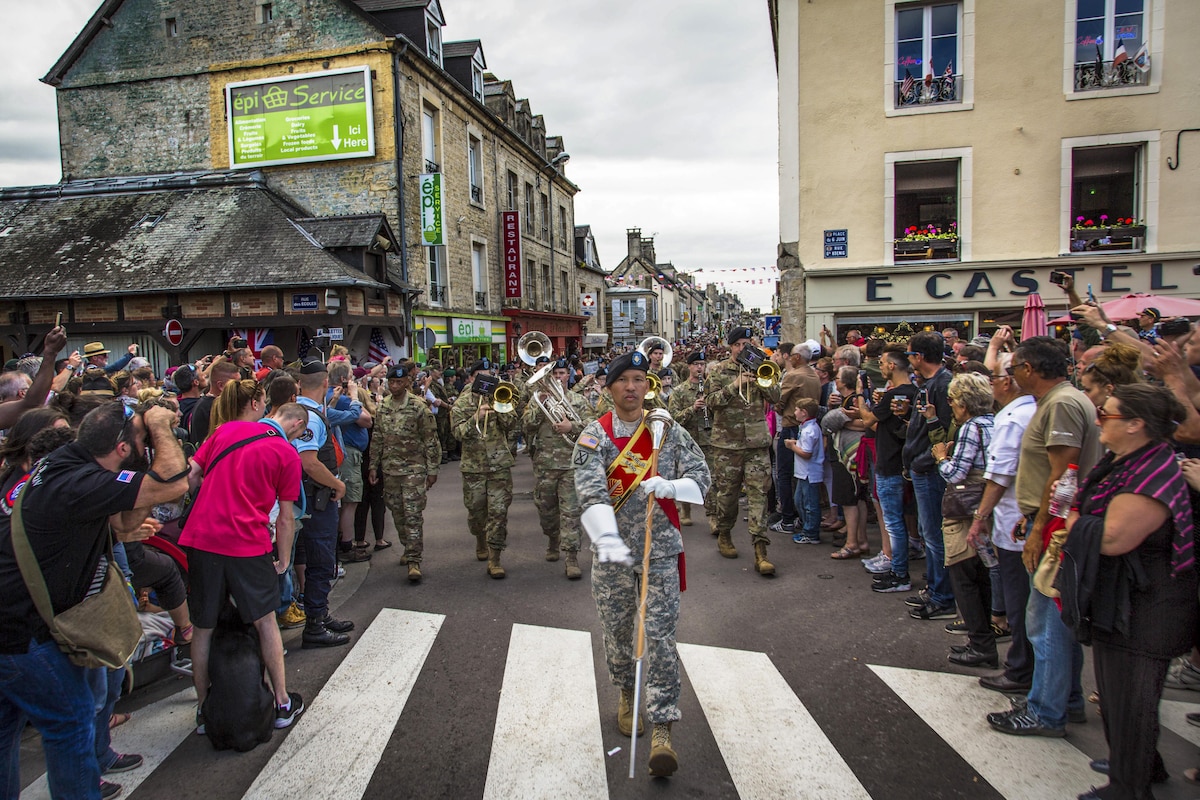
x,y
556,407
534,345
655,385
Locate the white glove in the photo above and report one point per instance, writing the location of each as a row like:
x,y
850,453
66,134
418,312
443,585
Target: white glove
x,y
611,549
659,486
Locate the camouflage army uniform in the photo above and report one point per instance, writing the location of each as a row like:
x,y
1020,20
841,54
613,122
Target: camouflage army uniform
x,y
741,445
615,587
681,406
404,447
554,486
441,392
486,468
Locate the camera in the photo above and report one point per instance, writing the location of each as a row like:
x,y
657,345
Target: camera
x,y
1174,327
1058,278
240,343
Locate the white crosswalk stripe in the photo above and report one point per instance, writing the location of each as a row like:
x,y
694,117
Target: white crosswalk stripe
x,y
1172,715
348,714
544,747
767,736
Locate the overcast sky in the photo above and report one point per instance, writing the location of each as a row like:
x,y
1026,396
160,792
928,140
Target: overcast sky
x,y
667,108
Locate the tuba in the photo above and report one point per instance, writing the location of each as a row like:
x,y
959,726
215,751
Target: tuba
x,y
654,343
534,345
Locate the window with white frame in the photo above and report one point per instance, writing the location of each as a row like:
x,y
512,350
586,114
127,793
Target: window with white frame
x,y
475,168
439,290
531,283
1110,37
512,190
429,138
529,208
926,210
477,81
1106,197
479,273
928,54
433,40
548,292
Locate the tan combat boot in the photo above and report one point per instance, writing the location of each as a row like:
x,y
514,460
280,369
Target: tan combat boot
x,y
625,715
573,571
552,549
414,571
494,569
761,564
712,524
685,514
725,545
481,548
663,761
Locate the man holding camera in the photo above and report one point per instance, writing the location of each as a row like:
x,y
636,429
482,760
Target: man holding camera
x,y
741,444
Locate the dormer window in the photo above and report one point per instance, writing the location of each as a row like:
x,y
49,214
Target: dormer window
x,y
477,81
433,40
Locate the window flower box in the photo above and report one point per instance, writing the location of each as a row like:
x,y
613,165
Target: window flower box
x,y
1087,235
928,242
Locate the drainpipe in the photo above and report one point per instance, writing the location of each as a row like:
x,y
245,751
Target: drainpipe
x,y
398,135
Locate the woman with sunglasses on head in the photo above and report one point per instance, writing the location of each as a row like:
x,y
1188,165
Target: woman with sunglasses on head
x,y
1116,365
1128,578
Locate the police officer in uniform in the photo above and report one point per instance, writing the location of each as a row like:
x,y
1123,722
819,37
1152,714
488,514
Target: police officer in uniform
x,y
487,461
688,407
741,444
614,451
405,456
554,487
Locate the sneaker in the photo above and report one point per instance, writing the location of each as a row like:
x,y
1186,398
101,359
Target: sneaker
x,y
774,517
292,618
959,627
919,599
124,763
892,583
782,527
802,539
286,716
933,610
881,567
1023,723
109,790
199,723
341,573
1183,674
916,553
872,561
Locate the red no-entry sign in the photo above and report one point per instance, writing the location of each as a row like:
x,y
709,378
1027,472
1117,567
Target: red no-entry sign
x,y
174,332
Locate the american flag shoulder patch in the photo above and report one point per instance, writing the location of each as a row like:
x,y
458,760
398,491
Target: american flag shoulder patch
x,y
126,476
588,440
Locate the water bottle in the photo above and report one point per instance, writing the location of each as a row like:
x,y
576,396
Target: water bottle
x,y
1064,494
987,554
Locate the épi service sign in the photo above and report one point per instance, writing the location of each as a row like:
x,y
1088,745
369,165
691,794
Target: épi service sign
x,y
320,116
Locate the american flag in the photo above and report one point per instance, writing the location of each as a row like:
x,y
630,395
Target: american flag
x,y
907,85
256,338
378,349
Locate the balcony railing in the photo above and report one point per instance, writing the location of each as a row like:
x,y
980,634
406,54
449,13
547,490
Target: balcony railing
x,y
1103,75
938,90
477,194
432,166
437,294
481,300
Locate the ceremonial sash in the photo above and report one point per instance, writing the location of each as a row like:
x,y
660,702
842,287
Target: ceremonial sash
x,y
631,465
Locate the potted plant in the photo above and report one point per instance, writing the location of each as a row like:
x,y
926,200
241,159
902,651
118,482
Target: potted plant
x,y
928,238
1087,229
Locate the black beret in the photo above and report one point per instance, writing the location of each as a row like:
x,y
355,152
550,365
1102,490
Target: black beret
x,y
634,360
312,367
541,360
399,371
737,334
481,365
696,356
561,364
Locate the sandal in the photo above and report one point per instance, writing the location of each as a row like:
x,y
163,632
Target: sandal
x,y
845,553
836,526
382,544
118,719
184,635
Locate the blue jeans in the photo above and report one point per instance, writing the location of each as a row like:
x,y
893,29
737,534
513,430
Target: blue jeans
x,y
43,687
808,502
106,689
1057,662
320,536
784,488
890,489
929,488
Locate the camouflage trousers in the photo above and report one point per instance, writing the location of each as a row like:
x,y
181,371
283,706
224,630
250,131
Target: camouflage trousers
x,y
487,496
405,497
710,499
615,589
558,506
443,428
733,469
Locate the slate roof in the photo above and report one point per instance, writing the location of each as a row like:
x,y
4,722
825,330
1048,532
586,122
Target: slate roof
x,y
389,5
352,230
460,49
212,233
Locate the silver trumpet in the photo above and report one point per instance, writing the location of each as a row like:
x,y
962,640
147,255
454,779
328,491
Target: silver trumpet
x,y
556,406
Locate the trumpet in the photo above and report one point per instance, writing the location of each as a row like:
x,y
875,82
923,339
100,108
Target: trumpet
x,y
655,343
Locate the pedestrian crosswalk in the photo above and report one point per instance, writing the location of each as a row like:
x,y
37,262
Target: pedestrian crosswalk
x,y
549,731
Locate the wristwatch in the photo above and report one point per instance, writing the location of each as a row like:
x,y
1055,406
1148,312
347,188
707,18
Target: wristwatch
x,y
1108,328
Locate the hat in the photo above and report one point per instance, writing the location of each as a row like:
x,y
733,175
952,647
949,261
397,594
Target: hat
x,y
482,365
361,372
696,356
450,373
654,345
312,367
399,371
1152,311
11,365
737,334
814,348
433,363
561,364
634,360
94,349
541,360
96,384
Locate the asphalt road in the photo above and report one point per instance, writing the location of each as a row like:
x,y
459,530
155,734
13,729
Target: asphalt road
x,y
802,685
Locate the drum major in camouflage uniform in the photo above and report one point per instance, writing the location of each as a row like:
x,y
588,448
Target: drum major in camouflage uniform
x,y
687,406
405,455
615,520
487,461
554,473
741,444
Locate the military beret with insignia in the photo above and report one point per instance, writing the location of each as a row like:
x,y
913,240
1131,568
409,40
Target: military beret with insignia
x,y
737,334
634,360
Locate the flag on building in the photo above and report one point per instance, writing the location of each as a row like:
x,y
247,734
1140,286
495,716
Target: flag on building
x,y
1142,59
906,85
928,79
1099,64
948,81
377,351
1120,56
256,338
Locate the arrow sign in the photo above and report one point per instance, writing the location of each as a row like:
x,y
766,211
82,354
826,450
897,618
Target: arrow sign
x,y
336,140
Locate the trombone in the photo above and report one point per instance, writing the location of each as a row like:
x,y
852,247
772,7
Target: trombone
x,y
556,406
655,343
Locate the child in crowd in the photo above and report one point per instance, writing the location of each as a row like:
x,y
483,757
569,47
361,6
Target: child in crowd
x,y
809,471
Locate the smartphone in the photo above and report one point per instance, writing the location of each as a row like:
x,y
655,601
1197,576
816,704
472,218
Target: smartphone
x,y
922,398
1058,278
1091,297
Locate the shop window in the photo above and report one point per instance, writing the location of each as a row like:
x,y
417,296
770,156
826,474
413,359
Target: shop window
x,y
439,290
928,54
926,211
1110,36
1106,198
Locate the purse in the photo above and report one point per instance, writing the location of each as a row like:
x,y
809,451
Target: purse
x,y
103,629
962,498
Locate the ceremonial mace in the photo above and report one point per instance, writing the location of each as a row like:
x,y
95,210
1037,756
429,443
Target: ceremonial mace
x,y
658,420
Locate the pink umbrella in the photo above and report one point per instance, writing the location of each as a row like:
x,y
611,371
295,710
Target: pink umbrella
x,y
1033,320
1129,306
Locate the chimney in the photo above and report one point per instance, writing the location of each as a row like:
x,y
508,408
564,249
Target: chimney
x,y
634,239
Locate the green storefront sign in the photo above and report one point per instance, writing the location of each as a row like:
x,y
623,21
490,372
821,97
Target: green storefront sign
x,y
432,232
320,116
470,331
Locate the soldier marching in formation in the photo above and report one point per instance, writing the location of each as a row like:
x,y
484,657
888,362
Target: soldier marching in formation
x,y
689,408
